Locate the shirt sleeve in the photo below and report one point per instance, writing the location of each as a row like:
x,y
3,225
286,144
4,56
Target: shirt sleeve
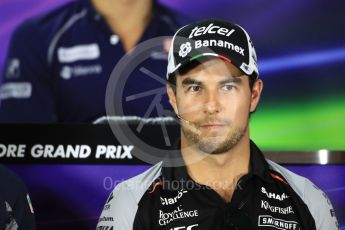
x,y
320,207
119,210
26,93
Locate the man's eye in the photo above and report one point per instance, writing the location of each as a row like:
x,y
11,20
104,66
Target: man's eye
x,y
194,88
228,87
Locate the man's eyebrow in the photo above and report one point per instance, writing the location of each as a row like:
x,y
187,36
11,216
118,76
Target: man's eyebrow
x,y
190,81
231,80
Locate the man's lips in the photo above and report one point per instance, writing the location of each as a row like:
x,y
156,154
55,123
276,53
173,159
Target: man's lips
x,y
212,126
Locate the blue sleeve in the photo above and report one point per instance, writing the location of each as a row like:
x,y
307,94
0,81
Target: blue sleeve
x,y
26,93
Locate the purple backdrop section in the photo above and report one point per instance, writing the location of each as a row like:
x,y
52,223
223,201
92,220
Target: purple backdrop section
x,y
13,12
277,27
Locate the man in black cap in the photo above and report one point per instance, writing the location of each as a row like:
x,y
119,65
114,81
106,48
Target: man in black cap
x,y
221,179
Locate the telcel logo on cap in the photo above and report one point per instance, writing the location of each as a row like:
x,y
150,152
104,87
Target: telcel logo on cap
x,y
210,29
212,37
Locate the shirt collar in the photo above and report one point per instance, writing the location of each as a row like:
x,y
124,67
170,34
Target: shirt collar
x,y
258,166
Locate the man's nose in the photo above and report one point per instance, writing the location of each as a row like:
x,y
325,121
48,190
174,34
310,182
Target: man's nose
x,y
212,104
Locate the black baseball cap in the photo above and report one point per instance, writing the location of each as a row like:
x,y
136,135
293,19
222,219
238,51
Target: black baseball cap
x,y
211,37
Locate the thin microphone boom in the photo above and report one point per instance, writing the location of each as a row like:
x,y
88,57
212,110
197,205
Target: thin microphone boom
x,y
188,122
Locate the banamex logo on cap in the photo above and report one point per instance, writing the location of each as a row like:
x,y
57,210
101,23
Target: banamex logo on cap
x,y
214,38
200,35
185,48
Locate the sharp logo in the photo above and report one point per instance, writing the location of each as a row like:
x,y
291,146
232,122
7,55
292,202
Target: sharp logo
x,y
275,196
210,29
168,201
190,227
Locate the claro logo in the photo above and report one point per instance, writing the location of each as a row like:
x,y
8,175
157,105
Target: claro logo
x,y
168,201
185,227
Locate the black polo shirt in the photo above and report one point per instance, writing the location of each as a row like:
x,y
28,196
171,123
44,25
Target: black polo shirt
x,y
268,197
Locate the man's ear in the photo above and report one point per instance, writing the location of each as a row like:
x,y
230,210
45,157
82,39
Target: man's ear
x,y
256,93
172,97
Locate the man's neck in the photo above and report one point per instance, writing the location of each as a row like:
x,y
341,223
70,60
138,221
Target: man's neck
x,y
127,18
219,171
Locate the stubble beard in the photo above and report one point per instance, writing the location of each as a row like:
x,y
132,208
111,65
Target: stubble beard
x,y
215,144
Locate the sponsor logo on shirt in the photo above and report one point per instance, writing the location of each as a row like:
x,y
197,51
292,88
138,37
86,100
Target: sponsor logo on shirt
x,y
190,227
67,72
107,205
275,209
18,90
273,195
269,221
106,219
105,228
167,217
13,68
78,53
168,201
155,186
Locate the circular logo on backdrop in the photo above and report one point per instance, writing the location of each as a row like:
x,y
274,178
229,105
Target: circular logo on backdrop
x,y
116,99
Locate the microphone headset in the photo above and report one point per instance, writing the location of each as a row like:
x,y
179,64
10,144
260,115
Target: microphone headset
x,y
188,122
181,118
